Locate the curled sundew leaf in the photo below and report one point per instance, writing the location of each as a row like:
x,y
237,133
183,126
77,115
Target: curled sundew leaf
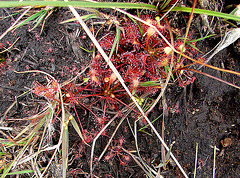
x,y
229,38
226,142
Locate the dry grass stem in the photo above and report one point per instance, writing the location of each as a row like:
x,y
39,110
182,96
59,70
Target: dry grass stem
x,y
196,158
214,160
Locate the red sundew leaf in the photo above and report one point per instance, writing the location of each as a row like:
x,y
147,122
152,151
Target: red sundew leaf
x,y
38,89
122,163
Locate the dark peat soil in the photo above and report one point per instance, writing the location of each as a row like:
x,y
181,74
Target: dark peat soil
x,y
205,112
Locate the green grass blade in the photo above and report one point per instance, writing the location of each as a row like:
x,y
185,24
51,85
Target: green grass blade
x,y
8,144
147,104
199,39
167,157
34,16
141,129
78,4
116,42
149,84
208,12
2,18
22,172
86,49
166,68
39,19
84,17
34,131
164,4
138,24
6,171
76,127
194,47
27,128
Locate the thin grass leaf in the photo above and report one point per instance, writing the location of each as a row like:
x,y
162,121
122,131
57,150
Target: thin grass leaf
x,y
138,24
208,12
147,105
86,49
150,84
34,131
27,128
141,129
167,156
2,18
76,127
48,118
24,130
84,17
32,17
6,171
166,68
194,47
16,21
116,42
22,172
87,4
199,39
65,147
164,4
7,143
40,19
233,11
187,29
8,137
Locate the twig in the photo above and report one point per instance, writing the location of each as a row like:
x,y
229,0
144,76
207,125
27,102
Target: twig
x,y
36,71
74,78
10,46
135,159
95,139
214,161
6,128
110,139
196,158
11,106
210,76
